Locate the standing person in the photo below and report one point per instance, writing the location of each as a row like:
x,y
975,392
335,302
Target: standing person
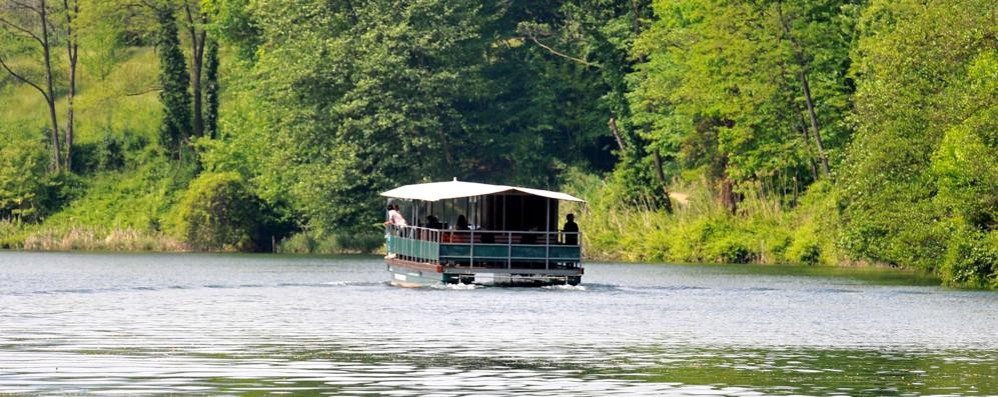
x,y
395,217
570,230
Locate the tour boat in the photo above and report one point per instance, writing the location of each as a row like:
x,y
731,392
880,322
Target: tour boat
x,y
474,233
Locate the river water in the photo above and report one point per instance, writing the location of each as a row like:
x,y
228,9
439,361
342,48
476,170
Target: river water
x,y
100,324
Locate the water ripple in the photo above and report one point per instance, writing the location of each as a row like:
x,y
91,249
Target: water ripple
x,y
246,325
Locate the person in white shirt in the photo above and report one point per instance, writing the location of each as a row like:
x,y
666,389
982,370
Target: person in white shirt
x,y
395,217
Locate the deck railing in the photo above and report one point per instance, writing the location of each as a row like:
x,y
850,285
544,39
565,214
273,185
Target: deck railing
x,y
413,243
485,246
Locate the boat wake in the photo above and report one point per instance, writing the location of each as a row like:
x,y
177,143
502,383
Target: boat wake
x,y
566,287
459,286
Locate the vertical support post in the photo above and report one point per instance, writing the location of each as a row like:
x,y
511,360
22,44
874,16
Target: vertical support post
x,y
509,250
547,234
504,212
523,209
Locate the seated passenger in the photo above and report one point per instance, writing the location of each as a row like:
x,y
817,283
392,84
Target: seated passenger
x,y
462,223
433,223
529,237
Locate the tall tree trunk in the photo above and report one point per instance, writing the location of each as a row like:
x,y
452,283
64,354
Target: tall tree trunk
x,y
174,78
660,174
616,133
73,51
805,87
211,90
43,40
814,122
727,191
47,51
807,141
801,124
197,59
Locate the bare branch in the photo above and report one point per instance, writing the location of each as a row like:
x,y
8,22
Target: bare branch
x,y
140,93
561,54
21,29
26,5
23,79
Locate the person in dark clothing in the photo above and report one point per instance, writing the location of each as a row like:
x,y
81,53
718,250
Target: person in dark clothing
x,y
570,230
462,223
433,223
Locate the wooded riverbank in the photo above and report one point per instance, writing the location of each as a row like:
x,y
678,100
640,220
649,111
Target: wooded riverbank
x,y
814,132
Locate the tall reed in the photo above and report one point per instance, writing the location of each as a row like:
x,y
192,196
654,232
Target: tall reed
x,y
100,239
763,229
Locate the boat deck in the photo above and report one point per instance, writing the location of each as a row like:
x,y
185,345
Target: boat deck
x,y
420,256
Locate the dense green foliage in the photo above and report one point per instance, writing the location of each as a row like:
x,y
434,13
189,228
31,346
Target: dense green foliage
x,y
804,131
174,83
920,186
22,184
218,212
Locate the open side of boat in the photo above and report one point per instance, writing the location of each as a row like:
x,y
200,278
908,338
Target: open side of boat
x,y
511,237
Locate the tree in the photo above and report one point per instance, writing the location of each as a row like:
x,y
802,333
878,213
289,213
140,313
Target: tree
x,y
29,26
22,179
196,20
174,81
71,9
211,91
918,179
218,212
724,86
595,38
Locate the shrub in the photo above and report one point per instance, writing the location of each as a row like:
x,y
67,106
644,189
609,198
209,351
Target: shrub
x,y
804,249
22,180
11,234
971,259
339,243
218,212
359,242
729,249
298,243
109,153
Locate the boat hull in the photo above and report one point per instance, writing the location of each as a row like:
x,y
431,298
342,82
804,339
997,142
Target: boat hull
x,y
415,274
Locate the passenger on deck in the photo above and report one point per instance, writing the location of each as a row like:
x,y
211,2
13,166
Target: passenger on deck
x,y
433,223
570,230
395,217
530,237
462,223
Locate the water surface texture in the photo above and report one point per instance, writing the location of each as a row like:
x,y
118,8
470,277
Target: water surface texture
x,y
241,324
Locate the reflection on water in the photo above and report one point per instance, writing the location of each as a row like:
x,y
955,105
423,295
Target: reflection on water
x,y
237,324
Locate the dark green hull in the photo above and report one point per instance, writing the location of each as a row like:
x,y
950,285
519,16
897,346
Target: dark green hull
x,y
414,274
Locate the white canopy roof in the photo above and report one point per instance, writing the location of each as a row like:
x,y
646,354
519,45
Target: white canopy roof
x,y
435,191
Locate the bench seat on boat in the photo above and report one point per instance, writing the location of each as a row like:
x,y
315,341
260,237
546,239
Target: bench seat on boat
x,y
460,238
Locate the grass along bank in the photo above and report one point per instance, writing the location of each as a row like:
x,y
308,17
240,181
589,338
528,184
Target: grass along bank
x,y
701,230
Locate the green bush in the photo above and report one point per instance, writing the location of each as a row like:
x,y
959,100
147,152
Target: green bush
x,y
359,242
298,243
339,243
804,249
109,153
11,234
218,212
23,180
971,259
729,249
